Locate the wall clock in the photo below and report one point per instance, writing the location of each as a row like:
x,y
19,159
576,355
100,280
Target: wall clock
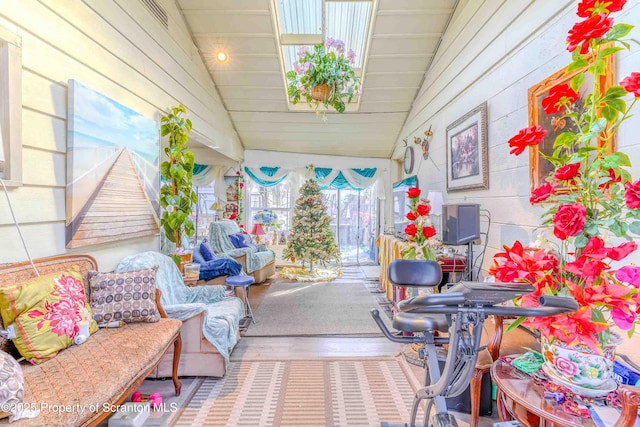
x,y
408,160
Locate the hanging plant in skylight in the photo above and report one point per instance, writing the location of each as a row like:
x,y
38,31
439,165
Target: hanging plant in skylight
x,y
324,77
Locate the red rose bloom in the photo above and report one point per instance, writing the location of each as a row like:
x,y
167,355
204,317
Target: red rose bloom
x,y
541,193
632,195
429,232
567,172
411,216
632,84
411,230
588,8
591,28
613,180
413,192
569,220
423,209
526,137
559,97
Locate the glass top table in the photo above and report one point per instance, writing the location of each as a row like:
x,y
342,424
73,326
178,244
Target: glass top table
x,y
519,397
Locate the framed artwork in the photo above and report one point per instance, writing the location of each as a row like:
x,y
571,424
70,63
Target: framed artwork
x,y
231,183
467,151
113,172
553,123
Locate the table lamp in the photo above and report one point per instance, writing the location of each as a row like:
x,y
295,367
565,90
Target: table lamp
x,y
257,231
216,207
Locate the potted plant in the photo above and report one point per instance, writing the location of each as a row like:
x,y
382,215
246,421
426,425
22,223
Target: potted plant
x,y
178,198
422,243
324,76
592,206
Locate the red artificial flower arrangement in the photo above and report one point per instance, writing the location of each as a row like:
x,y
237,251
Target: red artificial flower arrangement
x,y
420,232
590,198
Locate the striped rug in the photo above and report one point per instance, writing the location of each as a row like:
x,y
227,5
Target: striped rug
x,y
297,393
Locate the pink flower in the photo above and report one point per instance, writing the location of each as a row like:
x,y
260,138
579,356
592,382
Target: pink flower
x,y
565,366
297,68
632,194
623,318
629,274
567,172
541,193
302,52
352,56
569,220
632,84
71,289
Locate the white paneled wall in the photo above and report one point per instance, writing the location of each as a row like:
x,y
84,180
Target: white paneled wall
x,y
494,51
117,48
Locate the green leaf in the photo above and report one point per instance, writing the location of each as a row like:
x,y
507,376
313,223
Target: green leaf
x,y
617,104
581,241
634,227
591,228
609,113
577,81
598,67
609,51
515,324
615,92
598,126
565,139
618,31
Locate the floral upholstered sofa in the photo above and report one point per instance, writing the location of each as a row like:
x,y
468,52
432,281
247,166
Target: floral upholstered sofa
x,y
257,261
89,379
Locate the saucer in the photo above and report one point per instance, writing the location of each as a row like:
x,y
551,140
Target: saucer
x,y
602,390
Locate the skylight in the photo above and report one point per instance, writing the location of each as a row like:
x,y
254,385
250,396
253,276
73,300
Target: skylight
x,y
307,22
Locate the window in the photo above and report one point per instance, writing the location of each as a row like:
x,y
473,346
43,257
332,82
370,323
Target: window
x,y
10,107
308,22
276,198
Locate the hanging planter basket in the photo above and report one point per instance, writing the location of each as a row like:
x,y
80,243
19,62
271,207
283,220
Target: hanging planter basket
x,y
321,92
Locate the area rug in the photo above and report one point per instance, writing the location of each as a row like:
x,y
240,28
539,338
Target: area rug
x,y
361,392
316,308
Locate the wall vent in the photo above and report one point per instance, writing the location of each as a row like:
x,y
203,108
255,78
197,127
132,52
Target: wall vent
x,y
157,11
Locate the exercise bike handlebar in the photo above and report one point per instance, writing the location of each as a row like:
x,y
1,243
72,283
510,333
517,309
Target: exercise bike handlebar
x,y
455,302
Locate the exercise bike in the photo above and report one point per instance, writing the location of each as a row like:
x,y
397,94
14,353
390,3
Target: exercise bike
x,y
459,311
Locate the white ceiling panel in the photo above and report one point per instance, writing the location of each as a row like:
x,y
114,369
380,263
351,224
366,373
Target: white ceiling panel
x,y
382,63
402,44
228,23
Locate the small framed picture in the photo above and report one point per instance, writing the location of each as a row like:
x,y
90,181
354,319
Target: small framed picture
x,y
467,152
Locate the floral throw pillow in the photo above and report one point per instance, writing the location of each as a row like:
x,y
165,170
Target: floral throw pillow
x,y
129,297
11,385
45,313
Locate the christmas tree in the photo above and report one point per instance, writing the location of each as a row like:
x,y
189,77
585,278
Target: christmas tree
x,y
311,239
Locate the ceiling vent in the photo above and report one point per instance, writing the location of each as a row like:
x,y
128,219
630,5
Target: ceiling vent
x,y
157,11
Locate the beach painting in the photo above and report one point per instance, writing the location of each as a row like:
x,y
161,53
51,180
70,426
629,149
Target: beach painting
x,y
113,173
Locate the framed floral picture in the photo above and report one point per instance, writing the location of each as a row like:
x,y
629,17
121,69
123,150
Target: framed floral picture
x,y
467,151
554,123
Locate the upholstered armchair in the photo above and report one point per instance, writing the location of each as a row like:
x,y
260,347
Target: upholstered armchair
x,y
257,260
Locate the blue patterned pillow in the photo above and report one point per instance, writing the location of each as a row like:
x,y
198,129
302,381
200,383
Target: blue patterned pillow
x,y
206,252
234,240
197,256
242,240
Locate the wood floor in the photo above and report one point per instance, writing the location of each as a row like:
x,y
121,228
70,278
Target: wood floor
x,y
296,348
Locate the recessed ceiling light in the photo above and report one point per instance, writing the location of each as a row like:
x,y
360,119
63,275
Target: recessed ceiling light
x,y
222,56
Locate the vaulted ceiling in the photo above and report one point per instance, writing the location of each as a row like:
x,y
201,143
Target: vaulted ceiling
x,y
403,40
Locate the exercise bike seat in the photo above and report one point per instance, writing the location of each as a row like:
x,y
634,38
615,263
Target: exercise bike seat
x,y
415,273
416,322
